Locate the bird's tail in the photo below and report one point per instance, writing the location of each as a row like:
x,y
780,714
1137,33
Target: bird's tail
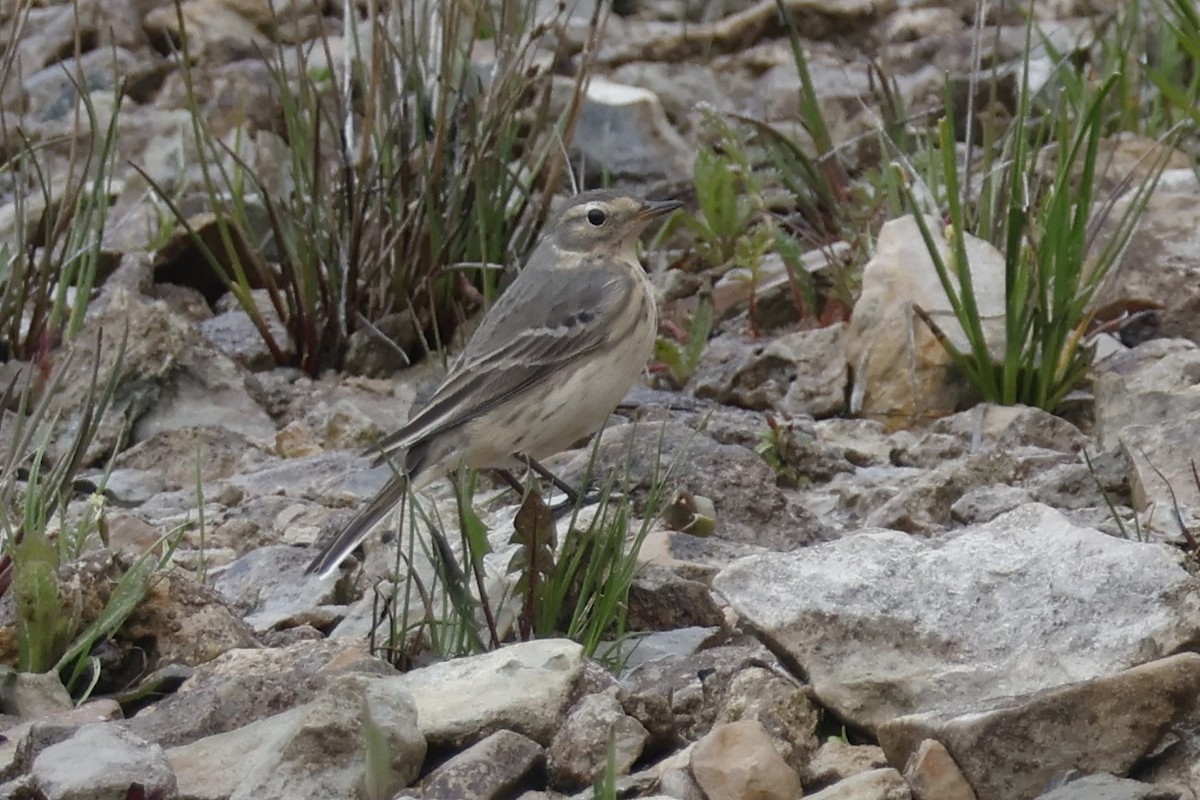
x,y
358,528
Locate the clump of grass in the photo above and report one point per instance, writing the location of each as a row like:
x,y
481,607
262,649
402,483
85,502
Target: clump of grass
x,y
576,587
52,263
408,176
1048,231
40,540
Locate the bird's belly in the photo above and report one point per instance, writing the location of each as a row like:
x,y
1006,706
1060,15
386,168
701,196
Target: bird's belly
x,y
551,420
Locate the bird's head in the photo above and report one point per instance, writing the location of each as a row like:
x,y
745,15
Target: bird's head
x,y
606,222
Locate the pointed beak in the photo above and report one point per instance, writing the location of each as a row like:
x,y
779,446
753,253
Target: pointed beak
x,y
657,208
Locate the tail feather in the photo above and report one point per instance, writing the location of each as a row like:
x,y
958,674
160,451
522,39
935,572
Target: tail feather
x,y
358,528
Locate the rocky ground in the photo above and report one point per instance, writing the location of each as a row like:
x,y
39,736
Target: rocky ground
x,y
995,603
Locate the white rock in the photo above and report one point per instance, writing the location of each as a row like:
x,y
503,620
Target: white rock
x,y
524,687
901,371
886,624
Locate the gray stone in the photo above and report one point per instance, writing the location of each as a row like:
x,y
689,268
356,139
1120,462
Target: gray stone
x,y
661,600
885,624
837,760
52,92
488,770
1107,787
524,687
32,695
579,753
750,508
317,750
102,762
780,704
1159,264
679,698
797,373
269,584
169,378
246,685
1161,474
876,784
677,643
623,133
1153,383
984,503
1012,748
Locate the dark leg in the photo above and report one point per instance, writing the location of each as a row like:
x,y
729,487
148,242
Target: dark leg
x,y
572,495
511,480
559,483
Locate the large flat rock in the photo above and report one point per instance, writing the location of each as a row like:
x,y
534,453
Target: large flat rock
x,y
885,624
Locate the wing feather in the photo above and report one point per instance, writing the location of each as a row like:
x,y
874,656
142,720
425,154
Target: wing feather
x,y
505,358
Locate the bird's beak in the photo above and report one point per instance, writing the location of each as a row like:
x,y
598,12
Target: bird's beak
x,y
657,208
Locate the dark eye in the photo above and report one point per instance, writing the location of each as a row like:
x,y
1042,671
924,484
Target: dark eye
x,y
596,217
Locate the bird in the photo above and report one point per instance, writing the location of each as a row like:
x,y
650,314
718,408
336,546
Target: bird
x,y
549,362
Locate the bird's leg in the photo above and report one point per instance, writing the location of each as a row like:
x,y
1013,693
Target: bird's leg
x,y
572,498
511,480
564,487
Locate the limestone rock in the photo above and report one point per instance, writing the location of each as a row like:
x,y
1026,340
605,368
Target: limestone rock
x,y
102,762
901,372
1011,749
738,760
885,624
317,750
579,752
523,687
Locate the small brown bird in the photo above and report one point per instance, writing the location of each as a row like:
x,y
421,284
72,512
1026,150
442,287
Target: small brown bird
x,y
548,364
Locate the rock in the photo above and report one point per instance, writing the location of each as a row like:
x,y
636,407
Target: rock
x,y
1161,476
783,708
660,600
52,92
985,503
235,334
797,373
1012,748
932,774
31,695
837,760
1159,263
176,458
901,372
102,762
884,624
317,750
677,643
738,760
270,584
1153,383
876,784
579,753
1009,427
491,769
523,687
750,507
401,346
216,34
243,686
168,377
678,698
1107,787
624,134
180,621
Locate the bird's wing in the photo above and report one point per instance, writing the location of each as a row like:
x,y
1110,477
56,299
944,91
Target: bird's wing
x,y
540,326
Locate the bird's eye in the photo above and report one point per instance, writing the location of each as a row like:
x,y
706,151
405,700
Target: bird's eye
x,y
597,217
